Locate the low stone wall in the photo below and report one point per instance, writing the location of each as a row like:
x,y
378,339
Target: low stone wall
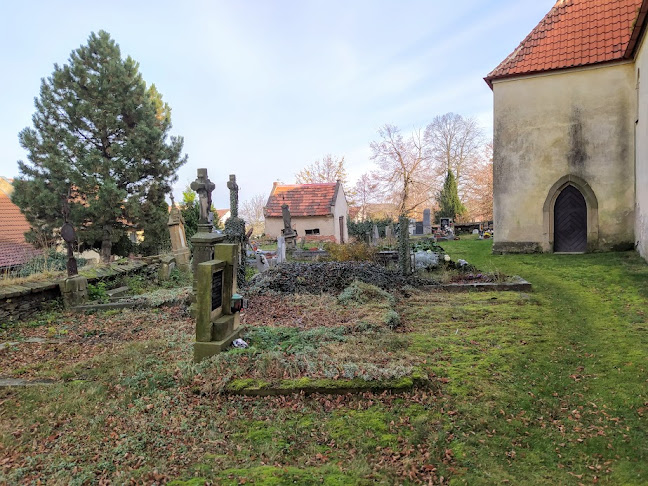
x,y
22,302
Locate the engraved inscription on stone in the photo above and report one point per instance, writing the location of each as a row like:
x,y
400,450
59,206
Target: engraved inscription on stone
x,y
217,290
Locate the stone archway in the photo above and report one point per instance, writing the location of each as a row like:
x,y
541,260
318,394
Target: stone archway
x,y
568,214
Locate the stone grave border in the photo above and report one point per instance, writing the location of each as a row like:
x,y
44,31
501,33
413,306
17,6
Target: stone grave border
x,y
21,302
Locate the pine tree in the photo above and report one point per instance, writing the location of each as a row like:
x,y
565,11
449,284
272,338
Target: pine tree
x,y
100,139
450,205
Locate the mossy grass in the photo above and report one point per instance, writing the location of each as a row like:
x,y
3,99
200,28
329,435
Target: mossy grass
x,y
540,387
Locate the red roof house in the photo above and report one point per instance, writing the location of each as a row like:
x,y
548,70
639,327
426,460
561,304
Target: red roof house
x,y
570,162
318,211
14,250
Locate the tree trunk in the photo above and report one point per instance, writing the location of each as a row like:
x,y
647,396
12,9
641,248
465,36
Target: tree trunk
x,y
106,243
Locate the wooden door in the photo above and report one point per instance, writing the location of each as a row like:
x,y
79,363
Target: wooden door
x,y
570,222
341,229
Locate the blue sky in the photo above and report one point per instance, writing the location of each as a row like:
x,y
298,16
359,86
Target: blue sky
x,y
263,88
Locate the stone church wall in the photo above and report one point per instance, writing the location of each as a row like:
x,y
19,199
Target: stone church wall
x,y
577,122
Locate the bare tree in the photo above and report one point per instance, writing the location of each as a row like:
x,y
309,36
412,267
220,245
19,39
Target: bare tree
x,y
479,186
366,191
403,167
455,142
252,212
329,169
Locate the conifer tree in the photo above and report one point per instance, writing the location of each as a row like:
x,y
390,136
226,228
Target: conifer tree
x,y
99,139
450,205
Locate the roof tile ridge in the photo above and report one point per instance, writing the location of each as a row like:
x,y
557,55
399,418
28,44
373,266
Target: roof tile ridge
x,y
547,21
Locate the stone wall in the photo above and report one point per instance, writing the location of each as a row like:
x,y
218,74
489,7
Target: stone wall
x,y
547,127
22,302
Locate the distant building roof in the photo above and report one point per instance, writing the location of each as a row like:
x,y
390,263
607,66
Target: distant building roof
x,y
302,199
222,213
14,250
577,33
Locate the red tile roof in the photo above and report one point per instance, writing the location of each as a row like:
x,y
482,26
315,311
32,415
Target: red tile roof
x,y
577,33
14,250
302,199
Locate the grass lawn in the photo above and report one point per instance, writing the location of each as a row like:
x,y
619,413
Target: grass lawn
x,y
549,387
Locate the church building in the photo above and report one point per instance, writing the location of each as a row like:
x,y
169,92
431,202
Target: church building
x,y
571,132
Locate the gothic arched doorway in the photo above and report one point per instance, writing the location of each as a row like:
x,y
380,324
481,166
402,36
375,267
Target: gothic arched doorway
x,y
570,221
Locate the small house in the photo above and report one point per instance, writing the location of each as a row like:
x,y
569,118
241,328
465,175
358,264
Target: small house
x,y
318,212
14,249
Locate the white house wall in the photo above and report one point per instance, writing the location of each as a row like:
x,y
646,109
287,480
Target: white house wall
x,y
576,122
641,211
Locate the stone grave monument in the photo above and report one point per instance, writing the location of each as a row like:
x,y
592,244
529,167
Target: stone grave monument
x,y
289,234
281,249
375,235
217,303
74,288
427,222
235,227
179,246
204,239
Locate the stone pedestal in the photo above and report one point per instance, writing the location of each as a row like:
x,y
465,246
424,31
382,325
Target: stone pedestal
x,y
74,291
203,248
216,325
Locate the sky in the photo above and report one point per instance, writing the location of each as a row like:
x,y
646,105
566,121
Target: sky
x,y
263,88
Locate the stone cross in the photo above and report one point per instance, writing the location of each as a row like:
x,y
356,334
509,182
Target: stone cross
x,y
204,187
234,188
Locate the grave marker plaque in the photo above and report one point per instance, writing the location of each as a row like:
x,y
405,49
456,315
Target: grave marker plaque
x,y
217,290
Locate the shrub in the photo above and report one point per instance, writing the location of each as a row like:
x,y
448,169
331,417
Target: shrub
x,y
351,252
98,292
392,319
49,261
362,293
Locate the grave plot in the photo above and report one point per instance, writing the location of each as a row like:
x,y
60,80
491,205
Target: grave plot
x,y
320,327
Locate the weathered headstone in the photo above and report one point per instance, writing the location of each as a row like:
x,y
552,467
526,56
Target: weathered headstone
x,y
179,245
375,235
217,322
389,231
203,241
427,222
281,249
167,265
261,263
288,232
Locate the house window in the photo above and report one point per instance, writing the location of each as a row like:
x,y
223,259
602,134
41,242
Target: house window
x,y
313,231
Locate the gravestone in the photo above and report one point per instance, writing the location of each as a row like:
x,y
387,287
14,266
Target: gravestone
x,y
178,236
375,235
204,239
289,234
167,265
217,323
389,231
427,222
74,288
281,249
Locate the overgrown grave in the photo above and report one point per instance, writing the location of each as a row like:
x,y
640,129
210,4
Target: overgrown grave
x,y
311,327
